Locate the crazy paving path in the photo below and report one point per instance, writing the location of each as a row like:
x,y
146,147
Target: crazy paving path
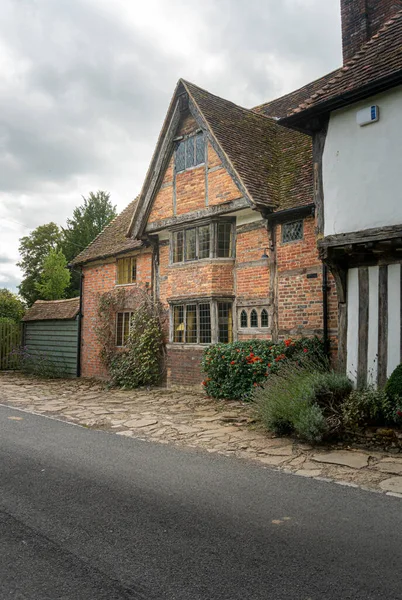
x,y
191,419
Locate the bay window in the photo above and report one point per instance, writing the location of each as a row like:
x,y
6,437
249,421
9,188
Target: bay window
x,y
202,322
211,240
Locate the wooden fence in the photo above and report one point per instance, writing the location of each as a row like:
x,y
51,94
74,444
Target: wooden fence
x,y
10,338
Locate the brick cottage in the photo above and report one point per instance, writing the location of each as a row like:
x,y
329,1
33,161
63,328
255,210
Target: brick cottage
x,y
223,234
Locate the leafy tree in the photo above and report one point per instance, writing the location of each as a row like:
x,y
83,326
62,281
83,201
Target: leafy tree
x,y
33,250
55,276
11,306
87,222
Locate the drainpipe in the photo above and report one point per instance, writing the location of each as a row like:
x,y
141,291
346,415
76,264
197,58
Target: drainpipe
x,y
79,327
325,308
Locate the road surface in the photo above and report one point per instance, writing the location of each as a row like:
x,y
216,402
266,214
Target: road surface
x,y
92,515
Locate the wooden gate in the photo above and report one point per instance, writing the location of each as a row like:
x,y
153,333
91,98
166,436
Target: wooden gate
x,y
10,339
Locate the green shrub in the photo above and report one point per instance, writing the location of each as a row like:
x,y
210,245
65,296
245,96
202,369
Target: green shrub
x,y
368,407
235,370
393,386
286,402
141,362
310,423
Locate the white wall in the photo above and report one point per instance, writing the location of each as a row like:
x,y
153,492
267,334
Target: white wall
x,y
362,167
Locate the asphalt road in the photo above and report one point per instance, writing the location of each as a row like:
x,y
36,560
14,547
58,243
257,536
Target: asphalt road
x,y
91,515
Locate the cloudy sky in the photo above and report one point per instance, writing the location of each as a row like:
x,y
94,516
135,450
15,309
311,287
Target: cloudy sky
x,y
86,84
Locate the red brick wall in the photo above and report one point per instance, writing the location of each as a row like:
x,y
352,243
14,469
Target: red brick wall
x,y
191,191
184,366
98,279
361,19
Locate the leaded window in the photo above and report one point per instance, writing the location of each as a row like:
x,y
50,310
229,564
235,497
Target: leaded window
x,y
253,318
243,319
192,322
225,322
291,232
123,321
190,152
126,270
250,317
212,240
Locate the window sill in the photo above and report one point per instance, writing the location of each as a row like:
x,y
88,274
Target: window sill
x,y
178,345
125,284
202,261
191,168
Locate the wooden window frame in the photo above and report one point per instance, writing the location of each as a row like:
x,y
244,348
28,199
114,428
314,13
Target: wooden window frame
x,y
213,241
185,141
213,304
124,313
120,270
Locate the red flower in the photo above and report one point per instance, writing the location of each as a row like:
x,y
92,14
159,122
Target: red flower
x,y
269,364
287,343
305,350
232,362
255,384
399,413
223,357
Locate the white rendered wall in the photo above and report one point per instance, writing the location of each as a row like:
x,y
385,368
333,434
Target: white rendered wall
x,y
362,167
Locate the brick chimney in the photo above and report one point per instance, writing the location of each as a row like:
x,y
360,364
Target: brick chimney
x,y
361,19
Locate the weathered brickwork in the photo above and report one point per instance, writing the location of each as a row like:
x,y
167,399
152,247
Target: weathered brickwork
x,y
98,279
361,19
199,278
190,190
221,187
184,366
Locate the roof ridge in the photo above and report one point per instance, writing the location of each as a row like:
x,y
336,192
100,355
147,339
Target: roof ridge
x,y
238,106
58,300
352,61
103,230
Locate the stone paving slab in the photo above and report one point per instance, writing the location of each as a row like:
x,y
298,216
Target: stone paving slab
x,y
196,421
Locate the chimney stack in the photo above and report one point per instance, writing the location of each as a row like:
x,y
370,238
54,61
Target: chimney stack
x,y
361,19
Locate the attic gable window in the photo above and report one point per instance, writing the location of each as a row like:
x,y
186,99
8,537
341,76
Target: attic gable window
x,y
190,152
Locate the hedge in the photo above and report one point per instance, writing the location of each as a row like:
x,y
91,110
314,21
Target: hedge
x,y
234,370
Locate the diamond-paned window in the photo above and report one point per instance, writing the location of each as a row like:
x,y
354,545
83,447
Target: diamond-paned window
x,y
264,318
190,152
291,232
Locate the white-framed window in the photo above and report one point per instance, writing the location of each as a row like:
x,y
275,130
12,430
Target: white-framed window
x,y
201,321
123,323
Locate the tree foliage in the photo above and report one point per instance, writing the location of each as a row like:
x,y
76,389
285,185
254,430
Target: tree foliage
x,y
11,306
54,278
33,250
88,220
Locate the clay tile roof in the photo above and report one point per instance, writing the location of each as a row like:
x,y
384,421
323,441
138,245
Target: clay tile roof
x,y
43,310
281,107
112,240
380,58
248,140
